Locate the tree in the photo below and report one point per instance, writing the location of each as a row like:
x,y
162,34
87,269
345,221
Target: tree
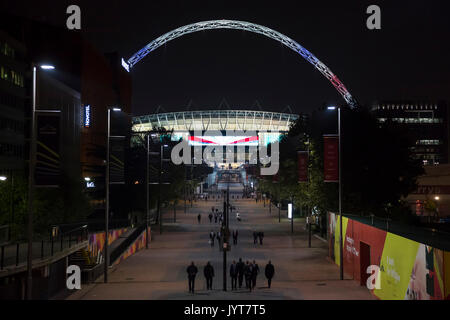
x,y
377,169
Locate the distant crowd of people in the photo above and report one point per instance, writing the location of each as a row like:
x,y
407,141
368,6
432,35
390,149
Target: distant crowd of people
x,y
238,272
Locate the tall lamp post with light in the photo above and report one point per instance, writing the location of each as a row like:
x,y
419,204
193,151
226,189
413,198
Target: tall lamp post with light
x,y
105,277
341,251
31,172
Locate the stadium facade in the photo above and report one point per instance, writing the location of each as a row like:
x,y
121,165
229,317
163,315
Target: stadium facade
x,y
220,127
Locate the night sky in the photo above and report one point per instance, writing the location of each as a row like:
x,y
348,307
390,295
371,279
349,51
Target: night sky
x,y
408,59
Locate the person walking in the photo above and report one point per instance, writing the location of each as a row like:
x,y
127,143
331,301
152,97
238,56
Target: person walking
x,y
248,271
255,272
192,272
199,218
261,236
215,217
208,272
218,235
212,235
255,237
270,272
210,217
235,235
233,275
240,270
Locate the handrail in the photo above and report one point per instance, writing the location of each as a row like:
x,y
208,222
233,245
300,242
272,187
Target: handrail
x,y
117,252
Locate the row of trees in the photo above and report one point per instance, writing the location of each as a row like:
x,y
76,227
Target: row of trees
x,y
52,206
177,180
377,167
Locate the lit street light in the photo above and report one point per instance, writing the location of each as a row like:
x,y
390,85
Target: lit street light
x,y
31,173
341,258
115,109
47,67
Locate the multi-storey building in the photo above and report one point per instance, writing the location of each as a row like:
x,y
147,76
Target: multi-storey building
x,y
12,104
427,125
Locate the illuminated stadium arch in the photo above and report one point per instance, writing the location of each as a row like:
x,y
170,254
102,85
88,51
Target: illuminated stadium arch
x,y
247,26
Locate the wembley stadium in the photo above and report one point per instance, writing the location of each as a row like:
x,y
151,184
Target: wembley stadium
x,y
262,127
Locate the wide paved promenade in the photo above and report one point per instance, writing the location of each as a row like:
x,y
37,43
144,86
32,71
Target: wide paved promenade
x,y
160,271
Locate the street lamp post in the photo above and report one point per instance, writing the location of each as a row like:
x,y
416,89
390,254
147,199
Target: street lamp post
x,y
30,190
341,251
105,277
147,179
340,198
292,215
279,202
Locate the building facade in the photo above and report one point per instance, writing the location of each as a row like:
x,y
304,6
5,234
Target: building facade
x,y
237,129
427,125
13,97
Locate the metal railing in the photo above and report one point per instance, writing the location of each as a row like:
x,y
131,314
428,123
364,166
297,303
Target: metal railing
x,y
115,254
13,255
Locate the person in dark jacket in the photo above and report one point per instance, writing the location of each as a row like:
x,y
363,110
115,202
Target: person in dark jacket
x,y
212,236
210,216
240,270
199,217
233,275
261,236
235,236
270,272
208,272
192,272
255,237
248,271
255,272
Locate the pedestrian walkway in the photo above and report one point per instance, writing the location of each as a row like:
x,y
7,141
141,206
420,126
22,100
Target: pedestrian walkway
x,y
160,271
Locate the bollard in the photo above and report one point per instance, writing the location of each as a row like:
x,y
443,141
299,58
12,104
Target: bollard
x,y
17,254
2,257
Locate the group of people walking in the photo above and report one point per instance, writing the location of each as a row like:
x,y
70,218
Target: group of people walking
x,y
238,272
218,216
218,235
256,236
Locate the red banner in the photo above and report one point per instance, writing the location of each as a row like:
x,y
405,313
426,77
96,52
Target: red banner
x,y
331,158
302,166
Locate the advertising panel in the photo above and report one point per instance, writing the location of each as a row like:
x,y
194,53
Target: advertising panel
x,y
408,270
223,140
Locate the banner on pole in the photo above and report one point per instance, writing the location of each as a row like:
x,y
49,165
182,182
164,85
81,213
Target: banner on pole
x,y
302,166
331,158
48,145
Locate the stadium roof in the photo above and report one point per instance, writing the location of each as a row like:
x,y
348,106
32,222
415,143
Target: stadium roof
x,y
216,120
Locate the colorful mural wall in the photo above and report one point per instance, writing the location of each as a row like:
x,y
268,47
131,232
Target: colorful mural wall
x,y
97,241
134,247
408,270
